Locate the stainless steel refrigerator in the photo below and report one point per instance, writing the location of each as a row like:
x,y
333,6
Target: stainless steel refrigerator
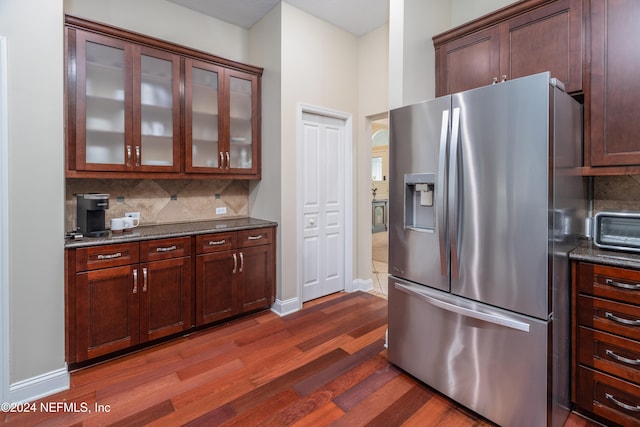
x,y
485,204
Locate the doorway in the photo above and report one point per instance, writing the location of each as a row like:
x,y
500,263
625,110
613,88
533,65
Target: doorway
x,y
325,194
379,202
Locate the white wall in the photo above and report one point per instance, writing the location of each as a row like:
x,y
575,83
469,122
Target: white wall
x,y
463,11
265,196
373,99
319,67
167,21
36,190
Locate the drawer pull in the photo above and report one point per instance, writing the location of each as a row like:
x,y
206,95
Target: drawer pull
x,y
622,405
235,263
144,279
258,237
612,355
217,242
135,281
620,320
622,285
110,256
167,249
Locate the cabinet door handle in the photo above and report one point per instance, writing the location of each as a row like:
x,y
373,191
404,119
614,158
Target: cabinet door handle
x,y
617,319
622,405
144,279
221,166
622,359
217,242
241,262
128,155
258,237
135,280
137,155
494,80
110,256
167,249
504,78
227,160
633,287
235,263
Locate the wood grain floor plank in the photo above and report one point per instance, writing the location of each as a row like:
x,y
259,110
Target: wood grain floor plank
x,y
324,365
403,408
318,379
324,415
266,391
378,400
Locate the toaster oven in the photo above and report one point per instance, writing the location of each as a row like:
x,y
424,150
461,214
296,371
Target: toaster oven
x,y
617,230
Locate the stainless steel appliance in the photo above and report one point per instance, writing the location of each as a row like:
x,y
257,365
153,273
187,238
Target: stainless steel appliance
x,y
484,206
90,215
617,230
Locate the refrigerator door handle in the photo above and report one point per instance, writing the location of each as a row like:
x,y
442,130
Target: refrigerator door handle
x,y
441,195
453,193
485,317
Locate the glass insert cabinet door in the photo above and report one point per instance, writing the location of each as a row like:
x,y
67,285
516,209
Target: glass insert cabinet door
x,y
127,106
203,121
157,120
242,121
103,101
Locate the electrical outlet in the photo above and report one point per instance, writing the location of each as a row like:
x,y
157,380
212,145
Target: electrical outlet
x,y
133,215
221,211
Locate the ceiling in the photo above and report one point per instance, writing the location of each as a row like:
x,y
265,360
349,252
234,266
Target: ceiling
x,y
355,16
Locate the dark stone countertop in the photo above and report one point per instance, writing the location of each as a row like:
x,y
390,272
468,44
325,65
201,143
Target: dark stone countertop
x,y
589,252
163,231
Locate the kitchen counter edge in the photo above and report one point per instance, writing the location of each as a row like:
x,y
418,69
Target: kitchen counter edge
x,y
588,252
166,231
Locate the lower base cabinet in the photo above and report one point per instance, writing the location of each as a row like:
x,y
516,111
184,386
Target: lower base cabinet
x,y
235,274
606,368
122,295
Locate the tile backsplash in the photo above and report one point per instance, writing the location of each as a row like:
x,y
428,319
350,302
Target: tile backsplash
x,y
162,201
616,193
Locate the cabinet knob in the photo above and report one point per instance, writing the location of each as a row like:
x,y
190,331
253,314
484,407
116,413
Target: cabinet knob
x,y
494,80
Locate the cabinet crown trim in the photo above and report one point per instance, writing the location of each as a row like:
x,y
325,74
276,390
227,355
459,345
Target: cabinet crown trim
x,y
105,29
488,20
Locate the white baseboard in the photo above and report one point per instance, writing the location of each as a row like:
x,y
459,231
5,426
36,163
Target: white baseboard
x,y
39,386
282,308
364,285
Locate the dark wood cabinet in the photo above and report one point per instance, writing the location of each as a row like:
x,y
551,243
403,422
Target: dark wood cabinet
x,y
606,342
122,295
235,273
141,107
525,38
221,120
125,294
612,105
165,297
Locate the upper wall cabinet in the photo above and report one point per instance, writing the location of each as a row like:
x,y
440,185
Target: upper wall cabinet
x,y
526,38
612,105
221,124
142,107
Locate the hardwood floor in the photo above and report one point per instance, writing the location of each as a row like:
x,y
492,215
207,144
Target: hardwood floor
x,y
324,365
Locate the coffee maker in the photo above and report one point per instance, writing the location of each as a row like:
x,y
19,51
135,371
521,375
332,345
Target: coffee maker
x,y
90,209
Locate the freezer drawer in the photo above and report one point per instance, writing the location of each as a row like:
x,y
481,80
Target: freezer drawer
x,y
492,361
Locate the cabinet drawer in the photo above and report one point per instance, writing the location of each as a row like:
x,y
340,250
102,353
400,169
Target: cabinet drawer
x,y
609,316
609,397
609,353
257,237
97,257
152,250
216,242
610,282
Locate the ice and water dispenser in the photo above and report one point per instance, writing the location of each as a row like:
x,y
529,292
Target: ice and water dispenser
x,y
419,202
